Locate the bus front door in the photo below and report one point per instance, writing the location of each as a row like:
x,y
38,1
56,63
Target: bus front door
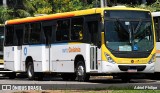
x,y
47,29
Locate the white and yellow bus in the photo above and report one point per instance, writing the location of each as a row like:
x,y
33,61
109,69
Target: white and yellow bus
x,y
156,17
115,40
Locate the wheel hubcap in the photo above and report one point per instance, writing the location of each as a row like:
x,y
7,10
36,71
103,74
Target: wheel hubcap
x,y
80,71
30,72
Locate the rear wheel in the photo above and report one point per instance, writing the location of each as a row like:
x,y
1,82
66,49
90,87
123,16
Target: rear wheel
x,y
81,72
30,71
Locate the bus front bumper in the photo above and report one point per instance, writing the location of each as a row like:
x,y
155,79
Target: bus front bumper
x,y
127,68
1,66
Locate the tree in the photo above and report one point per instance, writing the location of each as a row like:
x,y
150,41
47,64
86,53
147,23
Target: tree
x,y
156,6
153,7
42,6
26,8
69,5
5,14
21,8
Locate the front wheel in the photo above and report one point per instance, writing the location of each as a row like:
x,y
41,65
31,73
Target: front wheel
x,y
30,71
81,72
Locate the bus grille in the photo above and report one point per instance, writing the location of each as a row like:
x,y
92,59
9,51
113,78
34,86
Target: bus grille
x,y
126,68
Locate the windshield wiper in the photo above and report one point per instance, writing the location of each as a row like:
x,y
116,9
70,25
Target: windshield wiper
x,y
118,21
138,26
129,31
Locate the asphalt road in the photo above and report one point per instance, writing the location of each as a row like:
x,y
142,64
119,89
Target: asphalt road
x,y
49,83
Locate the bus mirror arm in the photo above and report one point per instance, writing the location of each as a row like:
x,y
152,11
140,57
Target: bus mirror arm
x,y
99,41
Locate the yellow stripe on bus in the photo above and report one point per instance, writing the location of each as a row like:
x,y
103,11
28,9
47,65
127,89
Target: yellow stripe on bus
x,y
1,61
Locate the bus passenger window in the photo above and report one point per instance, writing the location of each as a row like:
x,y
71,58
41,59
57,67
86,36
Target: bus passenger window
x,y
26,33
35,33
93,31
48,34
77,29
63,28
9,35
19,34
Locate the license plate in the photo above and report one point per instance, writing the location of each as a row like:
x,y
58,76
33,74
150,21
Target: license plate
x,y
132,70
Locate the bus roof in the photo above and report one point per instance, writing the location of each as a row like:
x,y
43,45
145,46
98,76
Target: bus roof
x,y
66,15
155,14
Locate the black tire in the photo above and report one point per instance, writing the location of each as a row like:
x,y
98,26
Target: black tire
x,y
81,72
11,75
30,71
68,76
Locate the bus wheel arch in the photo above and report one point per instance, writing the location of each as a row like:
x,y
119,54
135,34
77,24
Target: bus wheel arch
x,y
28,59
77,58
80,69
29,67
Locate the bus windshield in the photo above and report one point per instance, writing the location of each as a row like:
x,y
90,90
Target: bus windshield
x,y
129,33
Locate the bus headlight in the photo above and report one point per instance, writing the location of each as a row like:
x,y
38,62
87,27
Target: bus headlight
x,y
110,60
152,59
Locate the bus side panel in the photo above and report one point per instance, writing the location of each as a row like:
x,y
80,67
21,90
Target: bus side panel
x,y
157,63
9,58
24,56
45,59
13,58
1,63
35,52
17,59
62,56
99,59
87,56
39,56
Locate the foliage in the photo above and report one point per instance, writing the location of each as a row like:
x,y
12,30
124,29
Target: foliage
x,y
58,6
5,14
156,6
33,7
69,5
28,7
42,6
153,7
20,10
22,13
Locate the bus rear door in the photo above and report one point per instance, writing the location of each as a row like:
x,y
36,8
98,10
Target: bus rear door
x,y
48,30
